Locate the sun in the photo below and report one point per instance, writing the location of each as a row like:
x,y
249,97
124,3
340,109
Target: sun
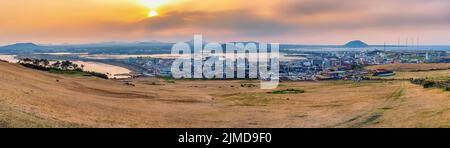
x,y
153,6
152,14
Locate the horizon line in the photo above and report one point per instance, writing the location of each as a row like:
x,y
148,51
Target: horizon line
x,y
168,42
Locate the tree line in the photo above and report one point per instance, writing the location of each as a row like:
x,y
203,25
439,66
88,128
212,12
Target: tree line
x,y
46,65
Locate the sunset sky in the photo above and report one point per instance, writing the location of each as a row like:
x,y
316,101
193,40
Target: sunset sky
x,y
282,21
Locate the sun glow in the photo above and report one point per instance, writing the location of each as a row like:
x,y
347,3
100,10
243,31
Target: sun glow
x,y
153,4
152,14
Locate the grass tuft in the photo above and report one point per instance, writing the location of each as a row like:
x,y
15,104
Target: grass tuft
x,y
288,91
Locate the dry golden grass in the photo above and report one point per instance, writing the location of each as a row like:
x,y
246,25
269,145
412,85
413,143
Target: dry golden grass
x,y
436,71
433,75
404,67
31,98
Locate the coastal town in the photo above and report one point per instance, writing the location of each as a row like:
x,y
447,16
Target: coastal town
x,y
317,65
296,63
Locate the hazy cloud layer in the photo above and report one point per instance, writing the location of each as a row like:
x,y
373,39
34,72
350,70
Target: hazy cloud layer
x,y
239,21
297,18
294,21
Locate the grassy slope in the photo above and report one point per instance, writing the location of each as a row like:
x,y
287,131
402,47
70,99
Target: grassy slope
x,y
412,67
31,98
438,71
12,116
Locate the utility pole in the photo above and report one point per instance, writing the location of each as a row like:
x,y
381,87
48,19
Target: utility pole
x,y
406,44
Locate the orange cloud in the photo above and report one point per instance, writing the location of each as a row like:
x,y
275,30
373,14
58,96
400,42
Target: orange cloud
x,y
294,21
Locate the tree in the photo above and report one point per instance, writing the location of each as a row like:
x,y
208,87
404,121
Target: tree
x,y
26,60
56,65
74,66
45,62
65,65
36,62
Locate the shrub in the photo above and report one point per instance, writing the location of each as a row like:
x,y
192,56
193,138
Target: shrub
x,y
36,67
100,75
130,84
248,85
429,84
289,91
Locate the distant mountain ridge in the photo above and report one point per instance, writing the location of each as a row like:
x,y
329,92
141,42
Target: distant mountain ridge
x,y
356,44
22,46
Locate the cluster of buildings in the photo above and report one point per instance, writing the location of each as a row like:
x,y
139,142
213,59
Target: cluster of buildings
x,y
333,65
318,65
151,67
